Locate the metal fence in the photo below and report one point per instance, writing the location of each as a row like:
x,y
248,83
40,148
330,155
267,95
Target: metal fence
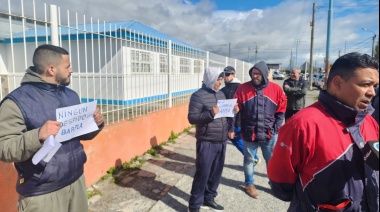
x,y
127,67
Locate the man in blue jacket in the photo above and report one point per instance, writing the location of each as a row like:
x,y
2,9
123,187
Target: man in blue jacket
x,y
211,135
262,106
231,84
27,119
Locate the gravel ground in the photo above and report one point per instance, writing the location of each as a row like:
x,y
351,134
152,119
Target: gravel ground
x,y
164,182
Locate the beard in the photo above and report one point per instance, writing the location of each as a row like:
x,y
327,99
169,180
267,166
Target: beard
x,y
61,80
257,82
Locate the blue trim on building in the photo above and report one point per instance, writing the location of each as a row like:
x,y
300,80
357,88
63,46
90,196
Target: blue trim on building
x,y
138,100
131,30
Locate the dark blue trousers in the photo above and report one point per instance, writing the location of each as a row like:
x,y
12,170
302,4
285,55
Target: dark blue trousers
x,y
209,167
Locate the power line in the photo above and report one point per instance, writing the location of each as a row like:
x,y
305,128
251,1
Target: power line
x,y
363,5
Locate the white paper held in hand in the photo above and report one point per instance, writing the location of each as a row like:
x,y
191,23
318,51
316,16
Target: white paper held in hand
x,y
226,108
44,151
76,120
52,152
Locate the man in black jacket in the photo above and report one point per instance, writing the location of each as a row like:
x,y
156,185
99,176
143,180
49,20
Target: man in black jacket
x,y
295,89
231,84
211,135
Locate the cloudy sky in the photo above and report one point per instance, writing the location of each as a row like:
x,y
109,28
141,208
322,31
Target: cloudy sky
x,y
277,29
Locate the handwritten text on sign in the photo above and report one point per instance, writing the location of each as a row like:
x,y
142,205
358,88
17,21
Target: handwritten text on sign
x,y
76,120
226,108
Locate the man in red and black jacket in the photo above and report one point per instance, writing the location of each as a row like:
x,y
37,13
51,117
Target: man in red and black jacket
x,y
318,163
262,107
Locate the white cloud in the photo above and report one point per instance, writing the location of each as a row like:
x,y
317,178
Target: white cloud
x,y
274,29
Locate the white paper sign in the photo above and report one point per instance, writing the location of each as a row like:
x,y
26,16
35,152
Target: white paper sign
x,y
76,120
45,149
52,152
226,108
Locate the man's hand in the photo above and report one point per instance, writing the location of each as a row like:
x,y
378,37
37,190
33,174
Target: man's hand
x,y
236,108
49,128
98,117
215,110
286,86
231,135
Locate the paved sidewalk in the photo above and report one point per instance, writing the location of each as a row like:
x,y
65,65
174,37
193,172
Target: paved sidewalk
x,y
164,182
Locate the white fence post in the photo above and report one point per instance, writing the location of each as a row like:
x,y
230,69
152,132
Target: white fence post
x,y
120,71
170,74
54,25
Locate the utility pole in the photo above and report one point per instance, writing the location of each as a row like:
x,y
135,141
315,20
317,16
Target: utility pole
x,y
345,45
373,40
311,50
229,49
373,45
297,42
249,59
327,62
315,64
256,54
291,58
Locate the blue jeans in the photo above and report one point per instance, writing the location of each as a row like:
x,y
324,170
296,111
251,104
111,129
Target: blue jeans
x,y
250,149
238,142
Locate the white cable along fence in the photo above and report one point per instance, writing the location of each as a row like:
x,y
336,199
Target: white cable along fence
x,y
129,68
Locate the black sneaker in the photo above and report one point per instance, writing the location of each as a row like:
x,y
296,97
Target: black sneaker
x,y
212,205
193,210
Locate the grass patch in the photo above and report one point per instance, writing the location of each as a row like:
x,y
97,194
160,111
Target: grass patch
x,y
186,130
154,150
172,137
93,193
119,172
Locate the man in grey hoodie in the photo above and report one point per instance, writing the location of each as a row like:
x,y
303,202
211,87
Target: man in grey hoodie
x,y
262,104
211,135
231,84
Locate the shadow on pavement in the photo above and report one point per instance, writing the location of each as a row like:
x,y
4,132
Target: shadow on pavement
x,y
172,202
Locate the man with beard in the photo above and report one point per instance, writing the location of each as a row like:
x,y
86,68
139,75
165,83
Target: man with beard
x,y
231,84
318,163
262,106
27,119
295,89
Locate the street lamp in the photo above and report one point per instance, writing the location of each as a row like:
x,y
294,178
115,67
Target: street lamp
x,y
373,39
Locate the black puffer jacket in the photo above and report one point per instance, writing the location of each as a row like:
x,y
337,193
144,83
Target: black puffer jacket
x,y
207,128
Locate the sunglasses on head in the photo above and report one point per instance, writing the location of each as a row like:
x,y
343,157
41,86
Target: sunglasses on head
x,y
227,74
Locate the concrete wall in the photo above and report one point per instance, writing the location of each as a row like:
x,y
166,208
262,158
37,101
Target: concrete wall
x,y
117,143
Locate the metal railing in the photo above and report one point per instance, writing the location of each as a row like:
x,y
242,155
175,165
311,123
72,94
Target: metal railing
x,y
128,71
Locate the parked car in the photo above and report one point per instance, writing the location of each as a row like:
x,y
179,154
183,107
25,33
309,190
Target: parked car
x,y
318,80
302,76
278,75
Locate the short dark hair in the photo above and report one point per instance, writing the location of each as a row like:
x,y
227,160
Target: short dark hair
x,y
46,55
346,65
